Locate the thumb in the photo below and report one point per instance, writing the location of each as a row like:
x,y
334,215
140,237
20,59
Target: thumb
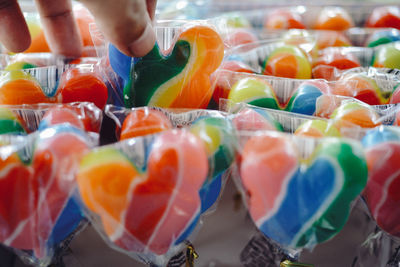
x,y
126,23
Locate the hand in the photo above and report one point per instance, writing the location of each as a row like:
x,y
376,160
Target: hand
x,y
126,23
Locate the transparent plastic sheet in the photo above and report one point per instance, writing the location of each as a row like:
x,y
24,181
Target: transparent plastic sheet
x,y
23,119
183,58
308,15
153,203
213,127
359,37
300,96
34,60
55,84
282,179
296,57
38,176
246,117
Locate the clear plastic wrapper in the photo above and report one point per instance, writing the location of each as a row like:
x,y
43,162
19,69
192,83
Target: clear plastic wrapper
x,y
55,84
38,180
23,119
144,195
214,128
182,69
318,16
299,190
35,60
300,96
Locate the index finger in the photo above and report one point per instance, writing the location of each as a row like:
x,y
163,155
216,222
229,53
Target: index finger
x,y
14,33
60,28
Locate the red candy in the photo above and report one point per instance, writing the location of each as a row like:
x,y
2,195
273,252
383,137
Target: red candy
x,y
332,60
240,37
384,17
77,85
284,19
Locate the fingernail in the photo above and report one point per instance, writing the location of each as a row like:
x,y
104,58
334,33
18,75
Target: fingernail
x,y
145,43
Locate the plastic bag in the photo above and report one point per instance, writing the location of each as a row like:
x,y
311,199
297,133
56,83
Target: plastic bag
x,y
299,190
214,128
182,71
142,193
56,84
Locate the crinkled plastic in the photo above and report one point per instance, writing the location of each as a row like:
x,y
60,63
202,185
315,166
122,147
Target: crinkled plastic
x,y
143,194
55,84
38,180
317,15
300,96
299,190
35,60
182,71
214,128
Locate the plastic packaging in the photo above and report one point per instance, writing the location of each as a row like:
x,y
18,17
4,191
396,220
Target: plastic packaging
x,y
213,128
38,179
151,202
56,84
183,70
299,190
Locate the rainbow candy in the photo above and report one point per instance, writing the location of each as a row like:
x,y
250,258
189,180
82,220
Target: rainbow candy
x,y
260,93
383,37
362,87
180,79
353,113
10,123
287,61
382,148
299,202
317,128
216,133
254,119
387,56
333,18
147,210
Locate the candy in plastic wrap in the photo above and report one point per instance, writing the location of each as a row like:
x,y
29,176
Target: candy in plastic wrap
x,y
182,77
284,19
384,17
146,207
287,61
362,87
143,122
333,18
57,84
298,190
317,128
387,56
252,119
217,135
10,123
385,36
382,148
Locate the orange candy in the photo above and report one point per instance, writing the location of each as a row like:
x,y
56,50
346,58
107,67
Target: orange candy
x,y
143,122
333,18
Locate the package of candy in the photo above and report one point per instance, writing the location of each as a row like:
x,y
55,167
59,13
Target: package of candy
x,y
55,84
317,16
38,180
252,118
299,96
184,69
299,190
144,194
213,128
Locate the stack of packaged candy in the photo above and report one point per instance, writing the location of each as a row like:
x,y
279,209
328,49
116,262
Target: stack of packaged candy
x,y
301,150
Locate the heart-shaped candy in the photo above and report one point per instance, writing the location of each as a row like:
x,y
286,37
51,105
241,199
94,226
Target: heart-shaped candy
x,y
150,210
382,148
180,79
297,203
